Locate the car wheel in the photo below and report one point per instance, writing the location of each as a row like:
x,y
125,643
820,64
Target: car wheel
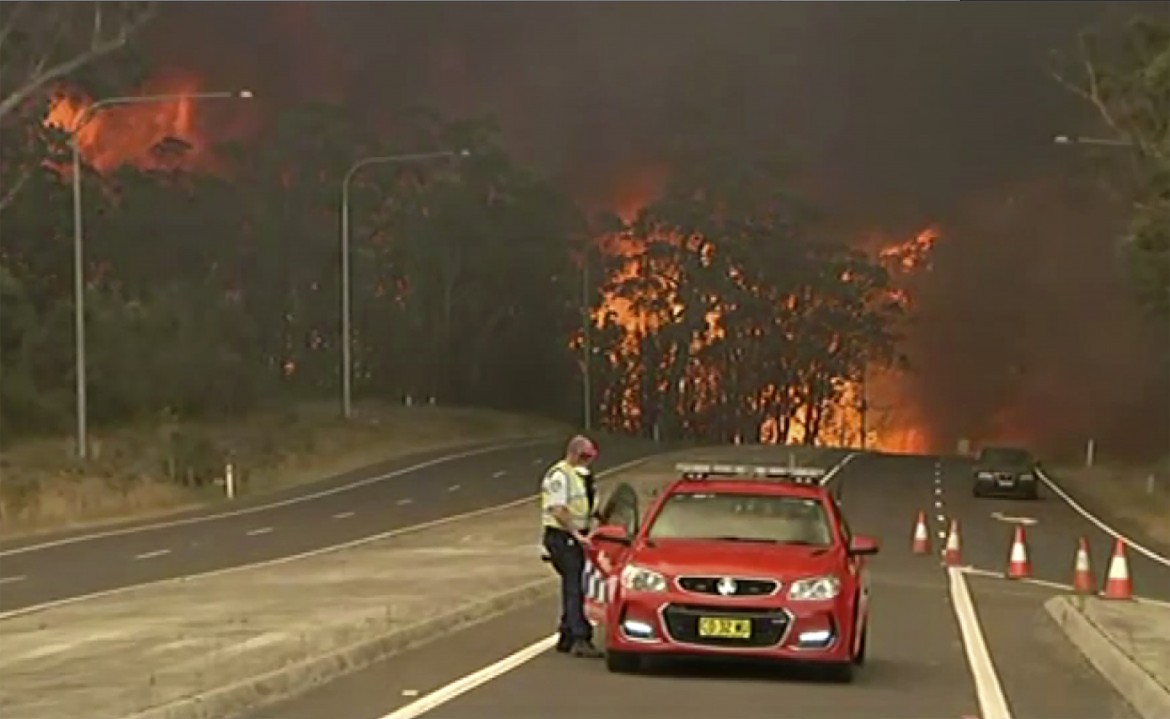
x,y
860,658
840,672
622,662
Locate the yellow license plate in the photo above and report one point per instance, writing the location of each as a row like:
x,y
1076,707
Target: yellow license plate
x,y
723,628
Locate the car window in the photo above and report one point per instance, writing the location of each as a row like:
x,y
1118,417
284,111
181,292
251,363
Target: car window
x,y
622,509
742,517
1005,455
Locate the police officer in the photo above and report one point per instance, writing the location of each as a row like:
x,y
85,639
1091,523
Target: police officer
x,y
565,510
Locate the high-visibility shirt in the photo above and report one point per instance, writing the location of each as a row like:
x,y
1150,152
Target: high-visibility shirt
x,y
563,486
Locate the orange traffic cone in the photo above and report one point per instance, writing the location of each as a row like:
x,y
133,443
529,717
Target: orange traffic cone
x,y
1082,575
1018,565
1118,584
921,543
951,552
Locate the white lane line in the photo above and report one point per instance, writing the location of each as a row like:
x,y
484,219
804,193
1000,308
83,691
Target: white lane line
x,y
273,505
838,467
454,488
992,703
13,578
938,490
343,515
155,553
404,502
538,461
942,534
942,518
1149,553
501,473
261,530
441,522
991,574
937,504
461,686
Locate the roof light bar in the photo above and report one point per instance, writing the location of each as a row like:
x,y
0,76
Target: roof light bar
x,y
797,475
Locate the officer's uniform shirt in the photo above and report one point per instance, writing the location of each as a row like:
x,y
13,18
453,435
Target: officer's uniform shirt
x,y
564,486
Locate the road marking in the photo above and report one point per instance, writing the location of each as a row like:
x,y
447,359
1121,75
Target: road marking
x,y
538,461
155,553
499,474
12,579
453,488
938,490
1027,521
937,504
838,467
256,532
942,534
942,518
343,515
992,574
459,687
440,522
1149,553
992,703
273,505
404,502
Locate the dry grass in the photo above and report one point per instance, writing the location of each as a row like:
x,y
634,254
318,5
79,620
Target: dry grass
x,y
1126,490
141,471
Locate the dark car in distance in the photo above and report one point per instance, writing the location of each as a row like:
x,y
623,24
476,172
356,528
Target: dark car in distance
x,y
1006,472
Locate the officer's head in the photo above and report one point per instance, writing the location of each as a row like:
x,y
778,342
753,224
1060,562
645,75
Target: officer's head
x,y
581,451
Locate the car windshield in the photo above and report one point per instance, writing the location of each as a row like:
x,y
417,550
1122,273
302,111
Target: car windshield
x,y
1005,455
744,518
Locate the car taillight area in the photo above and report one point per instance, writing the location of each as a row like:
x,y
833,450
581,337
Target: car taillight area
x,y
753,627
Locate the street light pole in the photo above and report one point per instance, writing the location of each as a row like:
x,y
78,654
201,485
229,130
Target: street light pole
x,y
346,334
78,241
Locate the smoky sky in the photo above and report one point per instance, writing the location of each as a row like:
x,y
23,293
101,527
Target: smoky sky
x,y
893,115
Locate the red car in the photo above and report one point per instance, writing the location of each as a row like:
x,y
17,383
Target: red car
x,y
731,560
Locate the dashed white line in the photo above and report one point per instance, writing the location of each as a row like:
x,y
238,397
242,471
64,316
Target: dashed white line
x,y
938,490
343,515
14,578
942,518
501,473
992,703
454,488
403,502
261,530
151,555
538,461
942,534
937,504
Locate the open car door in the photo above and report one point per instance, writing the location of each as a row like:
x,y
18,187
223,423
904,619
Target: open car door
x,y
610,544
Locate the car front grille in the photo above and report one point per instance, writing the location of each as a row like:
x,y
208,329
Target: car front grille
x,y
743,587
768,625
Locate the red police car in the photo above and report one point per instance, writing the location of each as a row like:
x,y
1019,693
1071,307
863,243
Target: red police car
x,y
731,560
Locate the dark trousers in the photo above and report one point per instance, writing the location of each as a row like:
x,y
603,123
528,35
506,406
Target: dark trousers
x,y
568,558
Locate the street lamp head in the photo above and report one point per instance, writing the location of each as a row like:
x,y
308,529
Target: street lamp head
x,y
246,94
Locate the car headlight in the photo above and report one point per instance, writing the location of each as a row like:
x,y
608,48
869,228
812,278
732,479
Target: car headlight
x,y
814,589
638,579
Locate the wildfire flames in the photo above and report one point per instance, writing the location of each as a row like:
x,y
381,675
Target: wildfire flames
x,y
147,135
889,419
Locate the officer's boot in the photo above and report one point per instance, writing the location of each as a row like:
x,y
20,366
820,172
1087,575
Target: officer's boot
x,y
584,649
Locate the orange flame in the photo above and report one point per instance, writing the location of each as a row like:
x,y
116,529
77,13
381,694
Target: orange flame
x,y
149,135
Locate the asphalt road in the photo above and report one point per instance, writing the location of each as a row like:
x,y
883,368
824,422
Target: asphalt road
x,y
917,661
338,510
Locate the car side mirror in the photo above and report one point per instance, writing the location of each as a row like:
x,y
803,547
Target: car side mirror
x,y
612,533
861,546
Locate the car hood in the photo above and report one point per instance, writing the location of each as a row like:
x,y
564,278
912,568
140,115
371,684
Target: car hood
x,y
746,559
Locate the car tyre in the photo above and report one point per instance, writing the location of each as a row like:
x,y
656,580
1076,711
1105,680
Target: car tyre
x,y
860,658
840,672
622,662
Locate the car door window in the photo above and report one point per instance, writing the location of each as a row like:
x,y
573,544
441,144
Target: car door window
x,y
621,509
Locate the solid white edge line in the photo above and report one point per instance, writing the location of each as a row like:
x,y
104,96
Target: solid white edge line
x,y
992,574
459,687
305,555
273,505
989,693
1149,553
13,578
